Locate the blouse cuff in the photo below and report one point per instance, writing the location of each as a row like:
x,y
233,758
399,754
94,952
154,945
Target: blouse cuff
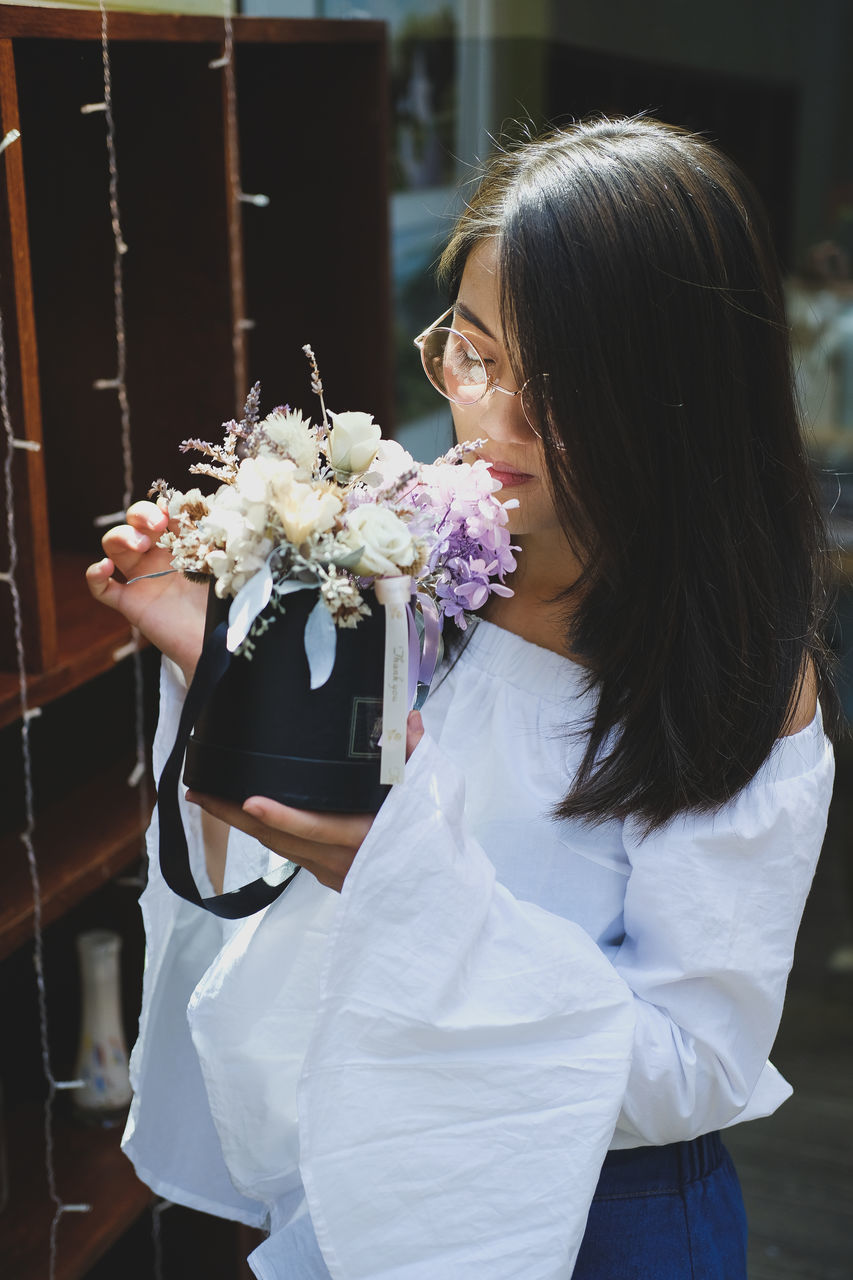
x,y
467,1064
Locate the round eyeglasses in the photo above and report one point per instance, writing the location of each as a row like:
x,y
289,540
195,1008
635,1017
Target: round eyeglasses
x,y
456,369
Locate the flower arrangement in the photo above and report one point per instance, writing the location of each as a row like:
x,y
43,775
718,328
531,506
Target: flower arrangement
x,y
333,506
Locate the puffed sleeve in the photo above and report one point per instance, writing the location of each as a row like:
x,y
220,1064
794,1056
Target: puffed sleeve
x,y
712,908
170,1136
467,1064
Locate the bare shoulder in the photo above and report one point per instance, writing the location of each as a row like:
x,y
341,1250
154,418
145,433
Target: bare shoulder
x,y
806,705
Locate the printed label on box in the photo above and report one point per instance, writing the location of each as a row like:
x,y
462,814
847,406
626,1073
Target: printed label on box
x,y
365,728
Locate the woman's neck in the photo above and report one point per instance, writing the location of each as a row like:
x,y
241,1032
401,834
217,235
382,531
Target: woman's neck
x,y
546,567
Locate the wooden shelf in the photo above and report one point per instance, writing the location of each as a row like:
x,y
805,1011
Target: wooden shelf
x,y
89,635
186,280
75,855
90,1169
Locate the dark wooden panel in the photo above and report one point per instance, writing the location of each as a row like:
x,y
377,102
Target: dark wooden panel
x,y
90,636
74,856
80,25
753,121
90,1169
176,280
32,572
317,258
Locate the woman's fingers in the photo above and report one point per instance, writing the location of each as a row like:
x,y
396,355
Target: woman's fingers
x,y
324,844
125,546
414,731
133,547
148,517
288,831
310,828
101,583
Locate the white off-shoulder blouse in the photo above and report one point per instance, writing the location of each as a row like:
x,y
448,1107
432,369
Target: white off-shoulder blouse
x,y
421,1076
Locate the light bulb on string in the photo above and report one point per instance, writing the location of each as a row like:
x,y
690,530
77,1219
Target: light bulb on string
x,y
28,714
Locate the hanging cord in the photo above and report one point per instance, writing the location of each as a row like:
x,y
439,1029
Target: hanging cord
x,y
238,197
26,835
119,384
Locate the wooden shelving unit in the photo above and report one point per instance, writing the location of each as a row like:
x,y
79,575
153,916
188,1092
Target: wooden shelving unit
x,y
89,639
89,1164
313,267
74,855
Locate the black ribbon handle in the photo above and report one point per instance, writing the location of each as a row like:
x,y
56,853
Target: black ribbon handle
x,y
214,661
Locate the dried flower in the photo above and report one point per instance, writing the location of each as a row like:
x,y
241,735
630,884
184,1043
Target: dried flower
x,y
342,597
332,506
285,433
316,381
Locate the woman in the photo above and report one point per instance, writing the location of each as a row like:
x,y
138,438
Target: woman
x,y
570,928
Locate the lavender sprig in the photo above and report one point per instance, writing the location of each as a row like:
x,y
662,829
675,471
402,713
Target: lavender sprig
x,y
316,382
457,453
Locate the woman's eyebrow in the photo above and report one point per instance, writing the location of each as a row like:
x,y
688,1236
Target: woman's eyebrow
x,y
462,310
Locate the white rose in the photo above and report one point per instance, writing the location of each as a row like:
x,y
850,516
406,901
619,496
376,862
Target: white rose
x,y
388,548
352,441
303,509
391,461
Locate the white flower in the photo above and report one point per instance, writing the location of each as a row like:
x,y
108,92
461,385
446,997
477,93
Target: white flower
x,y
239,561
303,509
188,507
352,441
291,435
467,482
391,461
388,548
343,598
235,510
253,477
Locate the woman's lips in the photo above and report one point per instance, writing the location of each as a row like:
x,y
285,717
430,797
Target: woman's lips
x,y
509,476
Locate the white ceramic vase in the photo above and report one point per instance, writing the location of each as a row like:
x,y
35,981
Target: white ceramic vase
x,y
102,1054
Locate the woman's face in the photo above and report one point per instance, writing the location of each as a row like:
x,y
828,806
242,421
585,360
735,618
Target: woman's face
x,y
513,451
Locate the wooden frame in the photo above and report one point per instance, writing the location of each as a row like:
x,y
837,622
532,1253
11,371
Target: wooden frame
x,y
312,105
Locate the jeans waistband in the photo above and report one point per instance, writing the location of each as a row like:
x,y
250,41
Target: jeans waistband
x,y
653,1169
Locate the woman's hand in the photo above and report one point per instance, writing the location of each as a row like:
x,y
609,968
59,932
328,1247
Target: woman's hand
x,y
169,611
323,843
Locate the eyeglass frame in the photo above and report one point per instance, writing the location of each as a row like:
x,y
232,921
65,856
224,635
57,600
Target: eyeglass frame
x,y
491,383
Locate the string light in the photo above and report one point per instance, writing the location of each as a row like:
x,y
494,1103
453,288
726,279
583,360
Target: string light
x,y
138,774
119,384
107,521
26,835
241,323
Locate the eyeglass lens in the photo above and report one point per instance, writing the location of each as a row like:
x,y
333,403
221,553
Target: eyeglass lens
x,y
456,369
454,366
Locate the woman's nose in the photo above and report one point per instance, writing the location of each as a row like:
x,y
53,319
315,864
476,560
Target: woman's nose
x,y
502,418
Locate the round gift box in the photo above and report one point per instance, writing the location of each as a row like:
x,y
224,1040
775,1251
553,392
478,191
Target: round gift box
x,y
265,731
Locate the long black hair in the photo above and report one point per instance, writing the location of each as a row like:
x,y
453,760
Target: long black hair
x,y
637,271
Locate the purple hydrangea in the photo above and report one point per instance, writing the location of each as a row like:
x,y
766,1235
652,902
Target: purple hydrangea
x,y
471,552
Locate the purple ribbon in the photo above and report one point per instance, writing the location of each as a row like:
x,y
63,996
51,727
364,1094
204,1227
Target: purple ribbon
x,y
423,654
414,656
432,636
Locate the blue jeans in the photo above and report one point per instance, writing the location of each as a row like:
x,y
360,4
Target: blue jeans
x,y
666,1213
660,1213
